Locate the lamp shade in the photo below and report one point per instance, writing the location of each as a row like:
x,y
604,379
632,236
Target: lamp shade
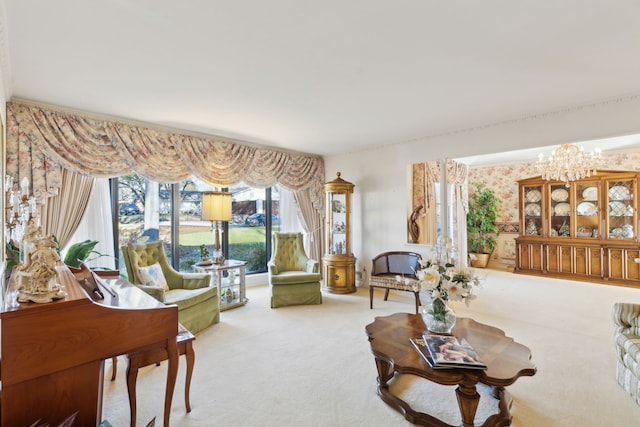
x,y
216,206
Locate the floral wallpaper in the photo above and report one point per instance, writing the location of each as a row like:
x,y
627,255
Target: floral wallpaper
x,y
502,178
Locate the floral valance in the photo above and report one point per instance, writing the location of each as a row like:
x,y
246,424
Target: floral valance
x,y
43,140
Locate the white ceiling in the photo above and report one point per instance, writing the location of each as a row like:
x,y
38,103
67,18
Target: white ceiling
x,y
327,76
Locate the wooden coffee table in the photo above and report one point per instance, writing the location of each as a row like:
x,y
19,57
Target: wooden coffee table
x,y
506,361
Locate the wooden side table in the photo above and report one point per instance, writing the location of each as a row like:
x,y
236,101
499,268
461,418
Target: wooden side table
x,y
232,292
149,355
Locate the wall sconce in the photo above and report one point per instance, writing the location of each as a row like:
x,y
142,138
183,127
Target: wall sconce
x,y
216,207
20,209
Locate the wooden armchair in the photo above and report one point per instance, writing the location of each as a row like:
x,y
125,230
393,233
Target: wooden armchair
x,y
385,269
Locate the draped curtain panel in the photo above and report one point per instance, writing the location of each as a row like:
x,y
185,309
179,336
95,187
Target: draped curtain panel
x,y
431,177
457,174
312,223
57,218
43,140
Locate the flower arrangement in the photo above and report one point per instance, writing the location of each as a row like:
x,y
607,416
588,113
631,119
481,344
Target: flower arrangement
x,y
446,282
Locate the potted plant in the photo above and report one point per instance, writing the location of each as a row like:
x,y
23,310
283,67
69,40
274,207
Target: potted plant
x,y
481,227
82,252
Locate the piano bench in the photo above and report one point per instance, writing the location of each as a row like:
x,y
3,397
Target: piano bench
x,y
154,355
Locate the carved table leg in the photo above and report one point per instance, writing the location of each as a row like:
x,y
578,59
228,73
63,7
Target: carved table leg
x,y
132,376
468,399
172,371
190,356
385,371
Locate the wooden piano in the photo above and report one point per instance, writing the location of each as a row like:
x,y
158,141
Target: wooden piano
x,y
53,354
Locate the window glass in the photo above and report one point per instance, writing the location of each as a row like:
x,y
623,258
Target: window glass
x,y
451,217
143,214
146,210
193,231
255,218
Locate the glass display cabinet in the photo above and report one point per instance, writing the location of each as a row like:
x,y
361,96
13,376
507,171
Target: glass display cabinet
x,y
587,230
339,264
532,212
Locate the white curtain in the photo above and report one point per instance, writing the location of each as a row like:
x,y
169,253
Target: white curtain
x,y
96,225
290,218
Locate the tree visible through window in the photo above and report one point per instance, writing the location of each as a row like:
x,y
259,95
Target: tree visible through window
x,y
147,211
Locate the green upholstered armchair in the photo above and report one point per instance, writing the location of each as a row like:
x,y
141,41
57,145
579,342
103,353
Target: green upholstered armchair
x,y
293,277
198,303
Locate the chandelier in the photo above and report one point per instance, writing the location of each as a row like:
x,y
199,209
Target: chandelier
x,y
569,163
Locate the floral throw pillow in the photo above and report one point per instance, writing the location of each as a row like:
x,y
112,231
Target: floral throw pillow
x,y
153,276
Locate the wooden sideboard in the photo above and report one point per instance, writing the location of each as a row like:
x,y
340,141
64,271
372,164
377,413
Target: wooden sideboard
x,y
586,231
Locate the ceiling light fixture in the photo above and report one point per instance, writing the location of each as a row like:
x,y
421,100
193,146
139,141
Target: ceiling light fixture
x,y
569,163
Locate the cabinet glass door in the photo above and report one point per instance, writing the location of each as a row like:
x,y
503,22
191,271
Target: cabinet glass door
x,y
587,214
559,211
621,209
338,223
532,196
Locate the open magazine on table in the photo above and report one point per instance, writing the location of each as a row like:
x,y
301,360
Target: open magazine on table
x,y
446,352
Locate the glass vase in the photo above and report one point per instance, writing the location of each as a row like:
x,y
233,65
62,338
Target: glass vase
x,y
438,316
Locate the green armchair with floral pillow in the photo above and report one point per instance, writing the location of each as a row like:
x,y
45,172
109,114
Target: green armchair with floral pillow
x,y
149,269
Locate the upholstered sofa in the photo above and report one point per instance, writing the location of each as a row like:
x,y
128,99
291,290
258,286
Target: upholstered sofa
x,y
626,317
388,266
198,302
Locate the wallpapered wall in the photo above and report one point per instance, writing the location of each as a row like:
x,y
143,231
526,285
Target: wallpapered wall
x,y
502,179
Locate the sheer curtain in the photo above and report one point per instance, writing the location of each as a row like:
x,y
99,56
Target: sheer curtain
x,y
290,220
96,225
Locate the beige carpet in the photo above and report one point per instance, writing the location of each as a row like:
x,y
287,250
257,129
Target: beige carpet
x,y
312,366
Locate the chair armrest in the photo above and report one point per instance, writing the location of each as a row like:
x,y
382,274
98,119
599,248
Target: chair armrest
x,y
273,268
195,280
154,291
626,317
312,266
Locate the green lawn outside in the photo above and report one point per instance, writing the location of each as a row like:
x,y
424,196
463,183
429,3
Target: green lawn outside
x,y
237,235
248,245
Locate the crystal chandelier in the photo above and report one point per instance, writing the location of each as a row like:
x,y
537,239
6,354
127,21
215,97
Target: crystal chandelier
x,y
569,163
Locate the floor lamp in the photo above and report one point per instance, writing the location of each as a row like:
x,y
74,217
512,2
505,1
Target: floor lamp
x,y
216,207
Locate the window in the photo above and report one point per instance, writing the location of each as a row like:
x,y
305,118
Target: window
x,y
452,224
139,217
148,211
256,215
